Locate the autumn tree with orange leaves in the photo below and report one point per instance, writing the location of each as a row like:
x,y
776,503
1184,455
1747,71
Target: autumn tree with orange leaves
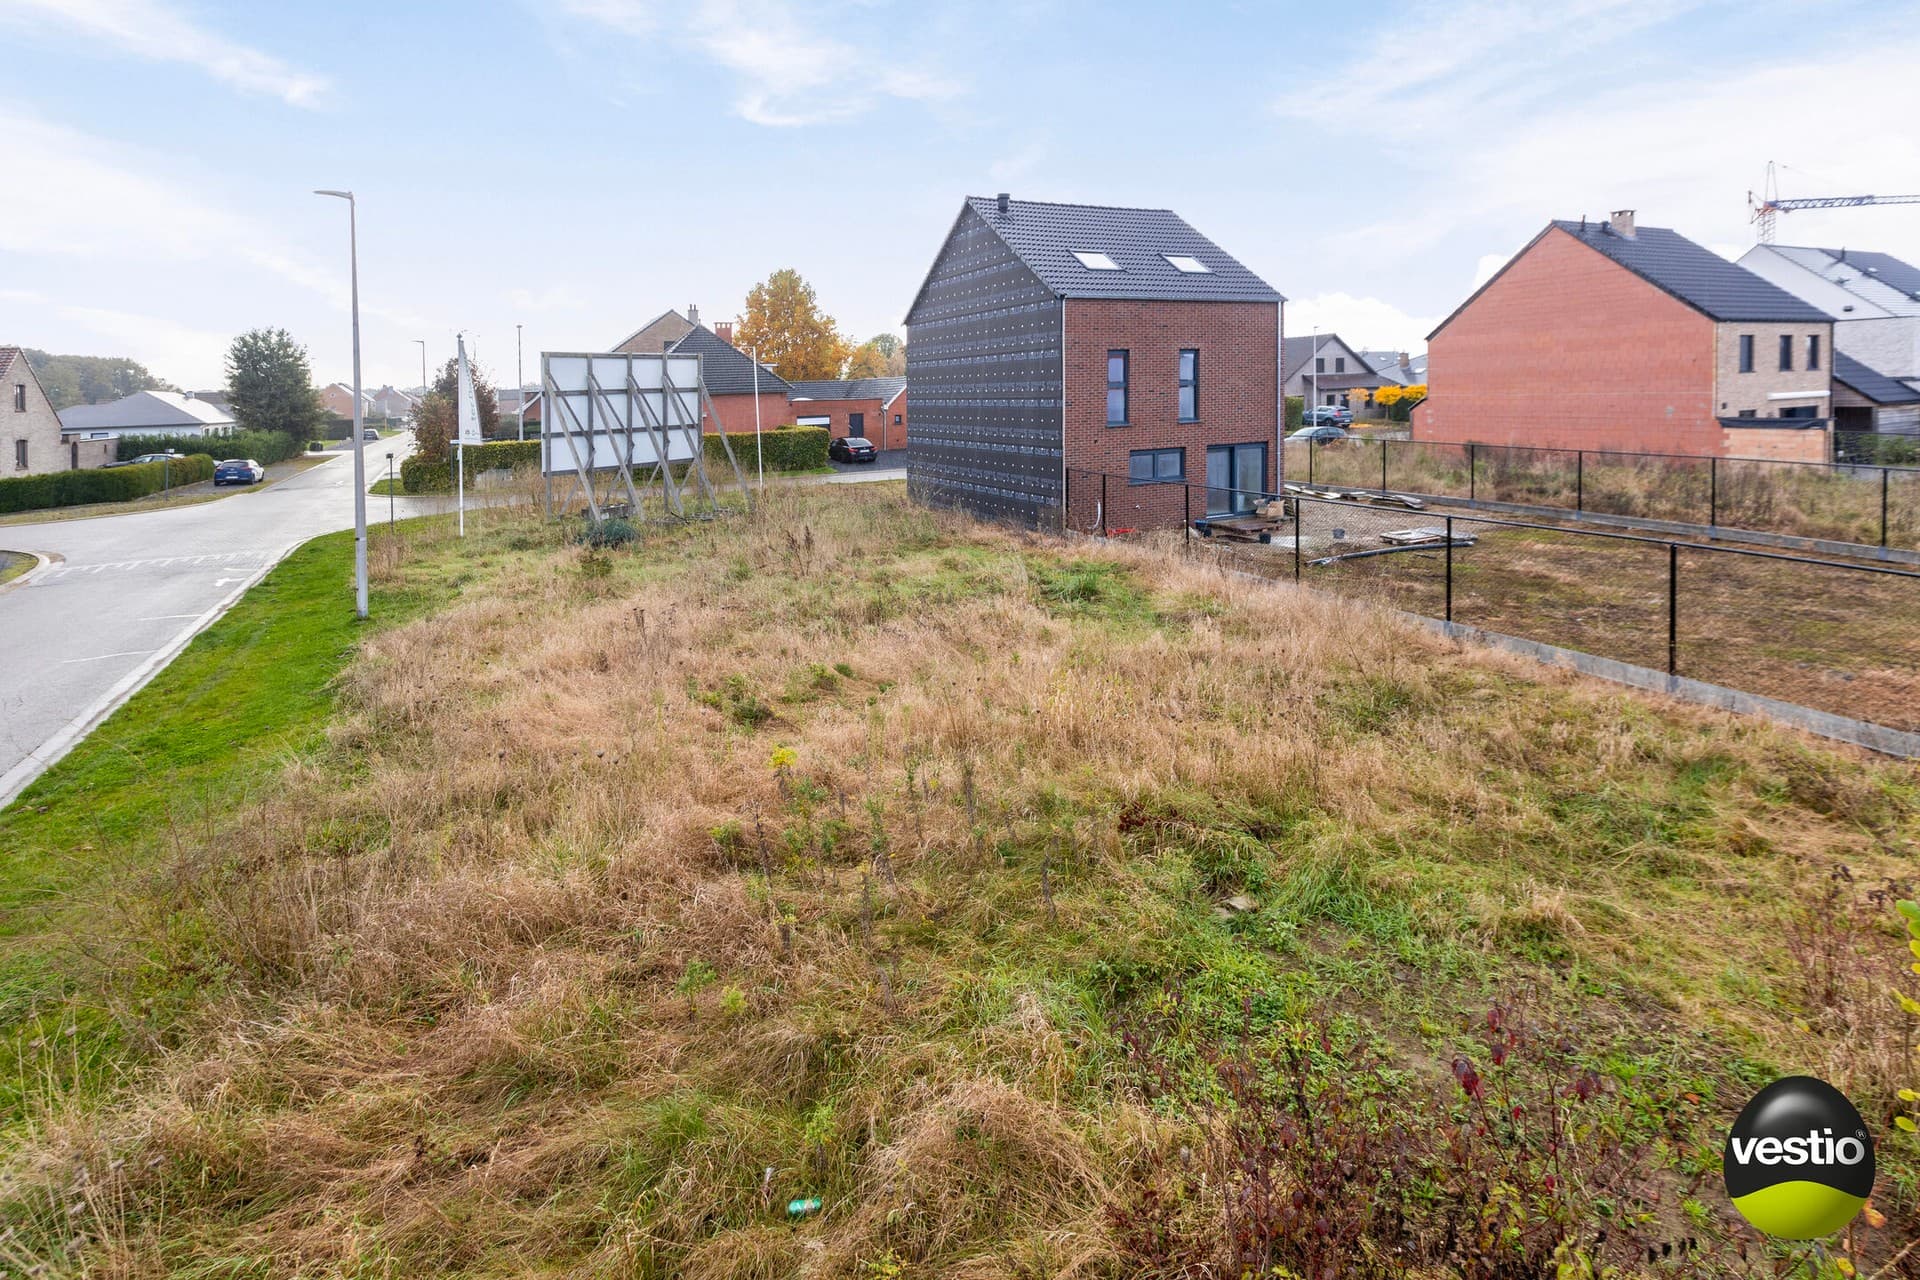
x,y
786,327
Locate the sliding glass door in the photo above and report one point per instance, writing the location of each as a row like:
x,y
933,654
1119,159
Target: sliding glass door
x,y
1236,477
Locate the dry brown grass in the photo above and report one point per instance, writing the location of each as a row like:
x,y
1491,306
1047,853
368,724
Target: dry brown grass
x,y
497,984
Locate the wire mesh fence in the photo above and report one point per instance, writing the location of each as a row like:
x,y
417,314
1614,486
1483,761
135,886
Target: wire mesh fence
x,y
1870,505
1829,634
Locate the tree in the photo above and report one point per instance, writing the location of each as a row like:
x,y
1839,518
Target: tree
x,y
1399,401
71,380
270,385
884,356
785,325
438,417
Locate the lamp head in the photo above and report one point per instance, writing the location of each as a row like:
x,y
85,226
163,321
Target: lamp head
x,y
339,195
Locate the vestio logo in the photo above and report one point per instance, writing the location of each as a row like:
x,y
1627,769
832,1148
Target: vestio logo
x,y
1799,1161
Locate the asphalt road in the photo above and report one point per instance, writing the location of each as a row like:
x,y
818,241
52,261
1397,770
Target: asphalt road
x,y
127,591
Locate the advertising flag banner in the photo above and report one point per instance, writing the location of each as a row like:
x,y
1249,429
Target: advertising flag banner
x,y
469,428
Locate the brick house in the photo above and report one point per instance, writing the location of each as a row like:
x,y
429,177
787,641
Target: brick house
x,y
732,382
875,408
337,399
1052,344
659,333
31,435
1322,369
1610,336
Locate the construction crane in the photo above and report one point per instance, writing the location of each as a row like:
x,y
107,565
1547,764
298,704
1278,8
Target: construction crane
x,y
1766,208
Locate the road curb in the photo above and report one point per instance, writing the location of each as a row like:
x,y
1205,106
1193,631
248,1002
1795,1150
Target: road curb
x,y
46,562
70,735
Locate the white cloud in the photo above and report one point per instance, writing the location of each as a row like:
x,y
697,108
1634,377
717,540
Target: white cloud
x,y
195,357
152,30
1363,322
790,74
553,298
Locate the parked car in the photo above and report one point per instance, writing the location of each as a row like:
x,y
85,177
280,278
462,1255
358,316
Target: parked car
x,y
368,433
169,455
1326,433
1337,415
238,471
852,449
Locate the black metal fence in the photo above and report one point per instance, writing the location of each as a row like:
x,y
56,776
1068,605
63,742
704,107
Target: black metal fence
x,y
1837,636
1860,503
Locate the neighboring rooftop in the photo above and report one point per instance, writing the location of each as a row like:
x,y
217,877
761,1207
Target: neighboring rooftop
x,y
882,389
1296,351
727,370
1692,273
1869,285
7,356
1871,383
1155,254
159,409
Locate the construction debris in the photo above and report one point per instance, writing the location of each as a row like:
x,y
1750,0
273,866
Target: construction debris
x,y
1373,497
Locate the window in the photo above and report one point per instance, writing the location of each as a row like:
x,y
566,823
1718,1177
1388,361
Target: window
x,y
1116,388
19,397
1749,413
1319,364
1339,364
1746,353
1813,351
1189,385
1156,466
1095,261
20,454
1236,477
1182,262
1786,352
1801,411
896,419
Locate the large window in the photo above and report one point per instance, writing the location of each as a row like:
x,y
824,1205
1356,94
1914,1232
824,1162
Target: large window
x,y
1339,364
1813,351
1189,385
20,454
1156,466
1236,477
1746,353
1319,364
1116,388
1786,352
19,397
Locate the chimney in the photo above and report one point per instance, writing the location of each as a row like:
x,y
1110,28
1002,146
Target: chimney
x,y
693,314
723,330
1406,361
1623,223
1002,201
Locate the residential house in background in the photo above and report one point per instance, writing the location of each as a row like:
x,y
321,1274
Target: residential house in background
x,y
732,383
337,399
1053,344
1874,301
390,403
1402,368
144,413
659,333
1322,369
218,399
875,408
1867,400
1612,336
509,401
32,437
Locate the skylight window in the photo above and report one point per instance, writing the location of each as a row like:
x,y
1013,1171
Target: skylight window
x,y
1183,262
1095,261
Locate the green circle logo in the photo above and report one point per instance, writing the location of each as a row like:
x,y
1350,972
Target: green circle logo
x,y
1799,1160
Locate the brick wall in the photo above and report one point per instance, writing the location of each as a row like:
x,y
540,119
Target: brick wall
x,y
38,425
1756,391
736,412
878,425
1785,444
1238,403
1567,349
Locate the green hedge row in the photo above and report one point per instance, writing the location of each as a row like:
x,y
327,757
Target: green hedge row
x,y
102,484
784,449
264,447
1296,412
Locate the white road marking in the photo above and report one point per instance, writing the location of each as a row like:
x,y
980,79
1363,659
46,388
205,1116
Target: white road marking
x,y
102,657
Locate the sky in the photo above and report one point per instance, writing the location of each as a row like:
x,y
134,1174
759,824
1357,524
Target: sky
x,y
576,167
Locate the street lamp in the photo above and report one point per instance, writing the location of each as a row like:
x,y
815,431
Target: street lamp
x,y
423,367
359,445
519,381
389,489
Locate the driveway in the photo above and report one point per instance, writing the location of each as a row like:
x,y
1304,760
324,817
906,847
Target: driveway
x,y
890,463
125,592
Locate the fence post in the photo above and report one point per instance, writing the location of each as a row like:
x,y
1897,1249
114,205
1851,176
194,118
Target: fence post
x,y
1103,504
1473,469
1713,492
1580,480
1383,467
1299,510
1449,570
1673,608
1310,443
1884,473
1186,512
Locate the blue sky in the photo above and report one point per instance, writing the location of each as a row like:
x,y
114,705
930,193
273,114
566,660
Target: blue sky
x,y
578,166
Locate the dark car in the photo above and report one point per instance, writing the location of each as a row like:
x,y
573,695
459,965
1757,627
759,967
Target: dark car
x,y
852,449
1326,433
1336,415
238,471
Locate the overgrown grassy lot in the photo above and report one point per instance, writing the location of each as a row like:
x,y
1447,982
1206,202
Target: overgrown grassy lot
x,y
1040,909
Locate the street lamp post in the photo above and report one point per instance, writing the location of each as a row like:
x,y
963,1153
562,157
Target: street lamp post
x,y
759,456
359,445
519,381
423,367
389,489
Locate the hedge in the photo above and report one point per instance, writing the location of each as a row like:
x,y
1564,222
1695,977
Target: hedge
x,y
784,449
102,484
1296,412
264,447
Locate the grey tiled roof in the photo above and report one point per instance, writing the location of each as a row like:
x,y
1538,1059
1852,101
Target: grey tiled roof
x,y
1871,383
7,356
881,389
1694,274
1883,267
1044,237
727,369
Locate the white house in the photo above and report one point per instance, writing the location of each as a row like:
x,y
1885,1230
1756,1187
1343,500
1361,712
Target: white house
x,y
145,413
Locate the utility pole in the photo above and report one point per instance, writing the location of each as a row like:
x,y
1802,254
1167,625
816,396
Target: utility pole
x,y
423,367
359,444
520,381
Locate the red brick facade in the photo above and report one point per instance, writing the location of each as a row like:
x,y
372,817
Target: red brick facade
x,y
877,421
736,412
1239,346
